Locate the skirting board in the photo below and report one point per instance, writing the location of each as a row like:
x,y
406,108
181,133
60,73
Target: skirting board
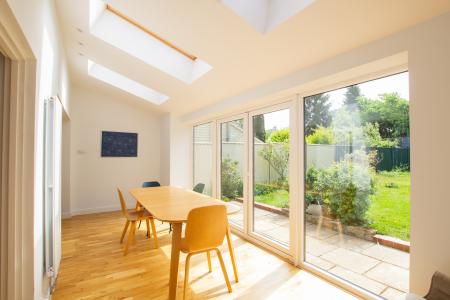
x,y
94,210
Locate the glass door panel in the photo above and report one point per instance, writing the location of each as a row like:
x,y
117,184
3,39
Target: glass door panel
x,y
357,184
233,166
270,181
203,158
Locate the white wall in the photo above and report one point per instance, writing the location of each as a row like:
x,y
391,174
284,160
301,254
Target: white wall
x,y
181,136
165,149
94,179
39,24
428,47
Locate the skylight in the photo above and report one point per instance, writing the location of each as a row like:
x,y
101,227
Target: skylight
x,y
265,15
113,27
124,83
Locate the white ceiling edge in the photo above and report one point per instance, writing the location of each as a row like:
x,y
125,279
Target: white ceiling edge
x,y
119,33
124,83
339,71
265,15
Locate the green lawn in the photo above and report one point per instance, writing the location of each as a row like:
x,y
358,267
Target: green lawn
x,y
389,209
278,198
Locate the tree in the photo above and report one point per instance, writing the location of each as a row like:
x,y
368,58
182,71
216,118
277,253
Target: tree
x,y
373,138
317,112
321,135
259,128
351,96
276,153
390,112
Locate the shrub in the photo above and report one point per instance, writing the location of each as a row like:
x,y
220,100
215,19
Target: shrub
x,y
345,187
264,189
231,181
320,135
280,136
350,183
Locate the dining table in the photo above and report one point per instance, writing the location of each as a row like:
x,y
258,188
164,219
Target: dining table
x,y
173,204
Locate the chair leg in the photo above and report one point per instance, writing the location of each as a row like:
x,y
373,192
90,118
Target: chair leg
x,y
155,237
139,224
186,275
130,236
148,228
208,255
231,250
124,231
224,270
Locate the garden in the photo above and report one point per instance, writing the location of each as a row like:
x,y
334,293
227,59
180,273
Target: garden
x,y
361,176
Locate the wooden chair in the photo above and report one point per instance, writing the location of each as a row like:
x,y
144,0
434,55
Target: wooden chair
x,y
199,188
146,184
132,217
205,231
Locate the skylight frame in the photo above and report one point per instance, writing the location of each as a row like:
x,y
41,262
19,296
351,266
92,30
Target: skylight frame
x,y
131,37
125,83
150,32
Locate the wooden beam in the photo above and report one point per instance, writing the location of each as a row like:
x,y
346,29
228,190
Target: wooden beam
x,y
149,32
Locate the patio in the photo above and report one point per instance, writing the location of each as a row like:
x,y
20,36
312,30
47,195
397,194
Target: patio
x,y
382,270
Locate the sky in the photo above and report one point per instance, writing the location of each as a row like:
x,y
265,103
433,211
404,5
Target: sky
x,y
396,83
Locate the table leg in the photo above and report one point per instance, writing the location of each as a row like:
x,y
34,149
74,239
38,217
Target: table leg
x,y
174,260
231,250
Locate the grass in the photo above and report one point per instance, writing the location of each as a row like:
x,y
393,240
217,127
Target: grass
x,y
389,211
278,198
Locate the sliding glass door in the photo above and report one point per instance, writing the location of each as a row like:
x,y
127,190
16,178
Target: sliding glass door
x,y
204,158
233,165
357,184
269,166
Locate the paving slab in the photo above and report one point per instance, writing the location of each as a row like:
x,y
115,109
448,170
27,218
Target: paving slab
x,y
279,233
317,247
358,279
389,255
393,294
262,225
349,242
351,260
318,232
390,275
319,262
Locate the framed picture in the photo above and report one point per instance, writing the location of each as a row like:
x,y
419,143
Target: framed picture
x,y
119,144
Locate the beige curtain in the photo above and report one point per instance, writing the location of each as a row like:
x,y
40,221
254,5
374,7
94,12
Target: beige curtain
x,y
5,73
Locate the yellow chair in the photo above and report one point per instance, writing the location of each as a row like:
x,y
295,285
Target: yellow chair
x,y
132,216
205,230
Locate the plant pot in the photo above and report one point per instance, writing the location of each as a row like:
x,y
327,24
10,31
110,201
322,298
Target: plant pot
x,y
314,209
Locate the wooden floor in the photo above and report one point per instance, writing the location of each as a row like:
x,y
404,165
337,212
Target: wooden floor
x,y
93,267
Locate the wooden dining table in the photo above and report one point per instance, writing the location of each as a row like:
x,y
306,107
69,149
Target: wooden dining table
x,y
173,204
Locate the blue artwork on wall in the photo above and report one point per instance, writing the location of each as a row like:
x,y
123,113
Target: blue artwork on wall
x,y
119,144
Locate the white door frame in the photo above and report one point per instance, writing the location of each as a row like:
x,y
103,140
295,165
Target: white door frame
x,y
17,197
245,174
268,109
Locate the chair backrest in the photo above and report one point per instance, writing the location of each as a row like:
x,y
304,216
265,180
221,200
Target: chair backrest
x,y
206,227
151,184
123,205
439,288
199,187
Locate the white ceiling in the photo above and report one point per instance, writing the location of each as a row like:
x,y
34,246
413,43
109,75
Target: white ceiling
x,y
242,58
